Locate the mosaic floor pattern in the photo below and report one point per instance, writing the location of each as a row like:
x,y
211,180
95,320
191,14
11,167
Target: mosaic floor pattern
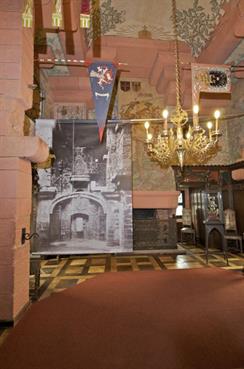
x,y
60,273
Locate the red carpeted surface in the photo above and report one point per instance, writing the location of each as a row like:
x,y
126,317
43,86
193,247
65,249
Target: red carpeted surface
x,y
179,319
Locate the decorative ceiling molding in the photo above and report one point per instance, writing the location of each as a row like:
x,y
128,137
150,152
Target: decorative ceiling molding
x,y
105,18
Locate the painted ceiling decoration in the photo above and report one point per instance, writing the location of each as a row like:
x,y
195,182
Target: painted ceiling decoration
x,y
197,19
105,19
196,24
141,38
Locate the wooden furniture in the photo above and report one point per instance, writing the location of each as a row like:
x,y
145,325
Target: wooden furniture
x,y
231,233
213,208
209,227
211,188
187,232
237,238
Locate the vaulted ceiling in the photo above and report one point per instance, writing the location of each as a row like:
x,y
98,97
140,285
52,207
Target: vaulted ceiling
x,y
139,35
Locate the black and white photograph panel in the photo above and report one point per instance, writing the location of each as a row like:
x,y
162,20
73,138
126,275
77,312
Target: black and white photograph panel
x,y
84,204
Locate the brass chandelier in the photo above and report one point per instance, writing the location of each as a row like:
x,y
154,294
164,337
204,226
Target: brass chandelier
x,y
184,143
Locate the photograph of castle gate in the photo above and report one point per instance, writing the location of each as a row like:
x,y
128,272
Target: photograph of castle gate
x,y
84,202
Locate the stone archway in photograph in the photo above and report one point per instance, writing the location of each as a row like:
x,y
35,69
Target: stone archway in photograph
x,y
77,218
79,226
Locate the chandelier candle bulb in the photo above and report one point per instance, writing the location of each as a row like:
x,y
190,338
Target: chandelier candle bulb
x,y
195,116
188,135
196,109
165,115
147,125
149,135
210,126
217,116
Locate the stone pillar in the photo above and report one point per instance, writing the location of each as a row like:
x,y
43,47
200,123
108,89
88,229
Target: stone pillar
x,y
16,152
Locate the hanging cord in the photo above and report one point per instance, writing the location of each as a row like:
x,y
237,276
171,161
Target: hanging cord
x,y
177,58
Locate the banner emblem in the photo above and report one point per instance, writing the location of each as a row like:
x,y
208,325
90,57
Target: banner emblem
x,y
102,76
136,86
125,86
210,78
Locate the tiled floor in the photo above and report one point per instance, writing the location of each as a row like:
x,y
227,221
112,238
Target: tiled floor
x,y
60,273
216,257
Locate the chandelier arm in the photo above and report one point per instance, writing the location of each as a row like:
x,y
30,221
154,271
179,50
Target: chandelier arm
x,y
177,58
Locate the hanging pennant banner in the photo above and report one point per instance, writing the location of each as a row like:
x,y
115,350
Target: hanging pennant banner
x,y
102,76
57,16
209,78
27,16
85,17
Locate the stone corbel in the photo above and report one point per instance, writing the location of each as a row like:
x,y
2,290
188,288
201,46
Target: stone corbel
x,y
25,147
238,174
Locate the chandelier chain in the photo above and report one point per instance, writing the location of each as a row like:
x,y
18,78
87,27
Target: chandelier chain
x,y
177,58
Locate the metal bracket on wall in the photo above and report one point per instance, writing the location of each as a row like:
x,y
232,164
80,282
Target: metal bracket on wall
x,y
27,236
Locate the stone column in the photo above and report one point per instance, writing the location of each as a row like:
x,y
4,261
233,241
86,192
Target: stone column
x,y
16,152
